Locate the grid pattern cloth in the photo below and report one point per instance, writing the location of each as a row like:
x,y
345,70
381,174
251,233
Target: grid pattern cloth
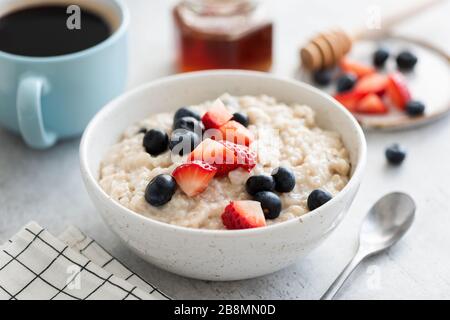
x,y
34,265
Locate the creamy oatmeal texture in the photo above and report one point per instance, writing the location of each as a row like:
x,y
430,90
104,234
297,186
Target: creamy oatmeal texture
x,y
285,136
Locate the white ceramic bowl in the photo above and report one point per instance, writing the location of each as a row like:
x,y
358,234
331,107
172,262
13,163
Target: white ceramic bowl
x,y
218,254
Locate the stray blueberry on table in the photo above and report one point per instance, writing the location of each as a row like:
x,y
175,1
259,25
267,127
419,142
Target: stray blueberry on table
x,y
318,198
322,77
241,118
415,108
270,203
259,183
406,60
189,123
284,179
185,112
346,82
156,142
160,190
395,154
183,141
380,57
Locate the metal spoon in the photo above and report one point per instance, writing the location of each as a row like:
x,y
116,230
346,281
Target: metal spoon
x,y
385,224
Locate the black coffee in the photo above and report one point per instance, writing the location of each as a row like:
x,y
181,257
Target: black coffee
x,y
42,31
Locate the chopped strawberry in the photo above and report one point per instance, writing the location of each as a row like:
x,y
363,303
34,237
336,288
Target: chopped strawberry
x,y
349,99
193,177
397,90
372,104
372,83
216,116
243,215
358,69
216,154
235,132
246,158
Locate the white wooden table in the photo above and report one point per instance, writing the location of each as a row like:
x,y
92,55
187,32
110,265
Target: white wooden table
x,y
45,186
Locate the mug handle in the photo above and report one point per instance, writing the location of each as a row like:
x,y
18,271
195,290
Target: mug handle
x,y
29,113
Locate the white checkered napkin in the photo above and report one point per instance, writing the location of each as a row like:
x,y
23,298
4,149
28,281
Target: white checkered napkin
x,y
36,265
78,241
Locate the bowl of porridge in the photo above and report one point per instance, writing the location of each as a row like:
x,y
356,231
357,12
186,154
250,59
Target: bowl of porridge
x,y
223,175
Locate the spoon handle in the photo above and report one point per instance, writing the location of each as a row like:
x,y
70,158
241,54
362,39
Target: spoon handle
x,y
340,280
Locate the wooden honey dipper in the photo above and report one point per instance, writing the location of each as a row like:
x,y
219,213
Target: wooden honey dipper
x,y
327,48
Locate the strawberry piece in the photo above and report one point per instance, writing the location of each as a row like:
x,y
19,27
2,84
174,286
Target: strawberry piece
x,y
397,90
193,178
245,158
349,99
358,69
372,104
243,215
216,154
235,132
216,116
372,83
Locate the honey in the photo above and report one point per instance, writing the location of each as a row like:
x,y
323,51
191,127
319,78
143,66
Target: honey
x,y
222,34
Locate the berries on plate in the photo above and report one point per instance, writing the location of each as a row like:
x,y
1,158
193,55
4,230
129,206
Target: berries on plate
x,y
235,132
358,69
415,108
372,83
193,177
241,118
185,112
395,154
160,190
349,99
216,116
371,104
318,198
345,82
155,142
406,60
270,203
322,77
183,141
259,183
243,215
397,90
189,123
284,179
380,57
216,154
245,158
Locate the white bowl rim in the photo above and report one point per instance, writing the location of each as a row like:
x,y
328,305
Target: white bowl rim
x,y
354,179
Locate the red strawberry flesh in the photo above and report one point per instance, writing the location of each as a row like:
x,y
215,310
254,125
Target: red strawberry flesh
x,y
358,69
245,158
235,132
193,178
243,215
371,104
216,154
397,90
216,116
372,83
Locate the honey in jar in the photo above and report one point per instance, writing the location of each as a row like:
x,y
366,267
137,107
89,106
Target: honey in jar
x,y
223,34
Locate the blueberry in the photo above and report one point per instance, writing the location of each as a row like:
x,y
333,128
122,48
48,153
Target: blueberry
x,y
183,141
189,123
241,118
184,112
318,198
345,82
284,179
156,142
395,154
415,108
406,60
322,77
270,203
259,183
160,190
380,57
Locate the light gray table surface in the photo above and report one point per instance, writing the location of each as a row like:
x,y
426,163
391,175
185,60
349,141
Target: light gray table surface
x,y
46,186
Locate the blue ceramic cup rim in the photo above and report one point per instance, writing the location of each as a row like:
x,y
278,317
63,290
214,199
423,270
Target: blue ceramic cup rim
x,y
118,33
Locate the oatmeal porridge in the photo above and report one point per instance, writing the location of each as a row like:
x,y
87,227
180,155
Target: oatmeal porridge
x,y
287,164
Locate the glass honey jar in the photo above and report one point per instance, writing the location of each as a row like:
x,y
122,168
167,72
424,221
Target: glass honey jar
x,y
223,34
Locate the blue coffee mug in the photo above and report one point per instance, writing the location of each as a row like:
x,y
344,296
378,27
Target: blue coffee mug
x,y
50,98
